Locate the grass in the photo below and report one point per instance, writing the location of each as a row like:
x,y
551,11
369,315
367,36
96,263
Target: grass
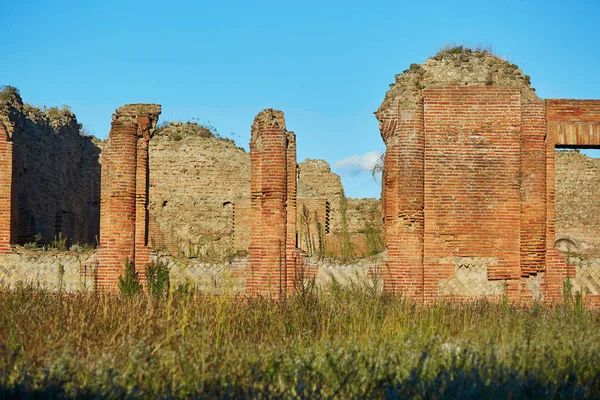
x,y
338,343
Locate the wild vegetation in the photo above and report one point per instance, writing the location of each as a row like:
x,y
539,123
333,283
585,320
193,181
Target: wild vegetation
x,y
351,342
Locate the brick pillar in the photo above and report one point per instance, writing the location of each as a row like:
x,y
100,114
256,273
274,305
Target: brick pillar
x,y
142,251
401,128
273,207
533,187
124,197
293,261
8,193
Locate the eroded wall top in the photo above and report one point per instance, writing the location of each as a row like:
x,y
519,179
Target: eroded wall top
x,y
454,67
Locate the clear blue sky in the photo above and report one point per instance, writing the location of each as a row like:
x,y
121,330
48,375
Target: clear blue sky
x,y
326,64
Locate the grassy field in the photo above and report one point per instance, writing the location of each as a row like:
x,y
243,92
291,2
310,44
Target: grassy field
x,y
340,343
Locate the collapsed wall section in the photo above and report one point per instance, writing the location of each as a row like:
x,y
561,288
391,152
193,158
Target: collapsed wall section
x,y
124,203
274,258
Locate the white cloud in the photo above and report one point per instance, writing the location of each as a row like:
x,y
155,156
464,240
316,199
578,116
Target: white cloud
x,y
358,163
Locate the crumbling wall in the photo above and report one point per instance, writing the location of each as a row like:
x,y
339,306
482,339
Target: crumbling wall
x,y
197,183
577,205
52,270
315,180
124,216
56,173
200,194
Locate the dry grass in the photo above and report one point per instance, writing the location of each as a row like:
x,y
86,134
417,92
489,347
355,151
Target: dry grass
x,y
340,343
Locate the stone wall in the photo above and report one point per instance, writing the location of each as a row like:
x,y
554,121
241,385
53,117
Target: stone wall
x,y
56,173
577,205
200,195
197,181
315,179
49,270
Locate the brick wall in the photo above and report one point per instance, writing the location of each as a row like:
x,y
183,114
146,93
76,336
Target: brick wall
x,y
401,126
472,206
574,123
6,189
570,123
56,173
469,181
123,208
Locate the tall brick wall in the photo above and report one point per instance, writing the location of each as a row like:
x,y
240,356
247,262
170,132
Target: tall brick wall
x,y
124,217
472,207
200,195
468,183
401,125
273,254
317,181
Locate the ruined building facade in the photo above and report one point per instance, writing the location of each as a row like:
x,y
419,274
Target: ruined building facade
x,y
468,185
50,175
468,190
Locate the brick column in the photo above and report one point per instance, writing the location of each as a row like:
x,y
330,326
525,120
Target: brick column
x,y
142,251
8,193
401,127
273,207
533,187
293,262
124,197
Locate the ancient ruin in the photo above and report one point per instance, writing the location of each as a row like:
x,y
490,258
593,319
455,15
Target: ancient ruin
x,y
468,189
476,201
274,258
124,213
50,175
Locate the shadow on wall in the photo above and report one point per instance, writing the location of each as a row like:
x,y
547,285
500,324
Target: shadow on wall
x,y
56,171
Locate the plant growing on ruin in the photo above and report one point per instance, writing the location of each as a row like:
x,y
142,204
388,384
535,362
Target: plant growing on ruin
x,y
305,221
34,244
373,239
157,275
346,244
59,243
378,166
129,284
320,237
60,273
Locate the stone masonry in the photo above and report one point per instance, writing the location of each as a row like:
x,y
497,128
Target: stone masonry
x,y
50,175
468,184
124,213
275,261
